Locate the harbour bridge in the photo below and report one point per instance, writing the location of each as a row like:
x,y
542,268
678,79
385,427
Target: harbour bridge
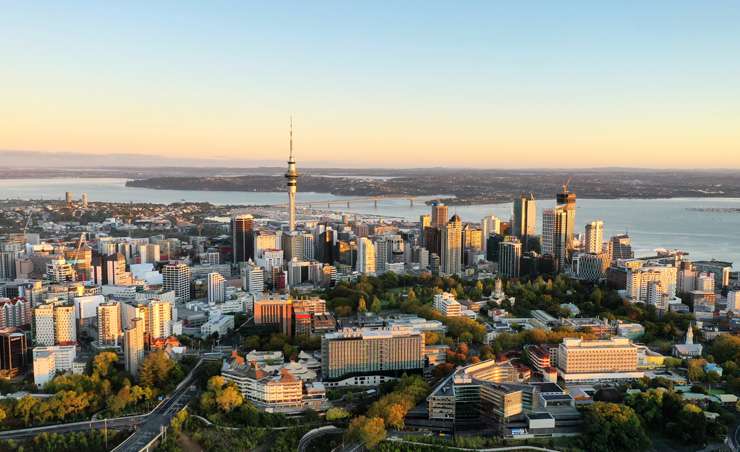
x,y
348,202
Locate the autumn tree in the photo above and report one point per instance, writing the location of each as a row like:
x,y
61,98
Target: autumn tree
x,y
361,305
367,431
376,306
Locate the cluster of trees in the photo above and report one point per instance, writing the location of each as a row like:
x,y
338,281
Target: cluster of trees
x,y
388,412
89,441
663,410
613,427
290,346
221,396
104,386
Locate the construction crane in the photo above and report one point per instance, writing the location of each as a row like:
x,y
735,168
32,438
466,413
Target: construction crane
x,y
565,185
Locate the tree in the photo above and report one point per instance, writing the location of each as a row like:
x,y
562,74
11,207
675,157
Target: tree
x,y
336,413
726,347
155,369
3,415
103,363
361,305
24,407
367,431
612,427
376,306
394,416
229,398
410,295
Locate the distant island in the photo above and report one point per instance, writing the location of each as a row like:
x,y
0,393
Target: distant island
x,y
468,187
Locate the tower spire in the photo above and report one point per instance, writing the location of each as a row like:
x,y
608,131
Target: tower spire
x,y
291,137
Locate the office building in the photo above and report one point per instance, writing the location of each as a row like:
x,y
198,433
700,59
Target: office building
x,y
242,237
65,326
366,256
160,319
216,288
638,280
176,277
275,312
554,235
292,245
597,360
488,225
109,323
620,247
253,278
149,253
363,352
16,312
594,237
509,259
47,361
13,352
720,269
439,215
590,266
267,387
451,258
524,219
133,346
447,305
566,200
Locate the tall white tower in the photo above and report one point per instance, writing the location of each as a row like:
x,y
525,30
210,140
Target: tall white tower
x,y
292,176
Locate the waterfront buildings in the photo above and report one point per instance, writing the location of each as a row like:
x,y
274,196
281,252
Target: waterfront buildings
x,y
594,237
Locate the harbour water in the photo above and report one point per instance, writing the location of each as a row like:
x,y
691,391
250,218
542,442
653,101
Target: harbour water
x,y
652,223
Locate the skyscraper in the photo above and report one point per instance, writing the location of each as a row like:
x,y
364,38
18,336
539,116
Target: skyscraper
x,y
133,345
176,276
216,288
567,200
109,323
65,327
292,177
242,233
524,219
510,254
439,214
365,256
554,238
488,225
620,247
594,237
452,246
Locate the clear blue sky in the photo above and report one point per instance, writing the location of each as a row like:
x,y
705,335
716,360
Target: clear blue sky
x,y
412,83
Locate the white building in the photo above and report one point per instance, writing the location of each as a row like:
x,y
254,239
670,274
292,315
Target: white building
x,y
366,256
50,359
446,304
217,323
216,288
638,281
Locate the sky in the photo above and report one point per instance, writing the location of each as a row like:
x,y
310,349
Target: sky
x,y
384,84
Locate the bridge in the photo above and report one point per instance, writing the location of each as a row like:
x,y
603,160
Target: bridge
x,y
349,201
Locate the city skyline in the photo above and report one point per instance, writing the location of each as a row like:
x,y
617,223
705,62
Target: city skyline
x,y
465,86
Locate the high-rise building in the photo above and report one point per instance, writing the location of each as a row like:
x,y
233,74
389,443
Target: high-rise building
x,y
216,288
65,326
509,259
292,182
111,269
554,235
620,247
276,312
15,312
69,198
44,324
720,269
439,214
84,200
242,237
366,260
638,280
176,276
425,221
292,245
47,361
133,346
567,201
160,319
524,219
361,352
149,253
488,225
471,238
254,278
265,240
308,246
451,259
109,323
594,237
11,249
13,352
